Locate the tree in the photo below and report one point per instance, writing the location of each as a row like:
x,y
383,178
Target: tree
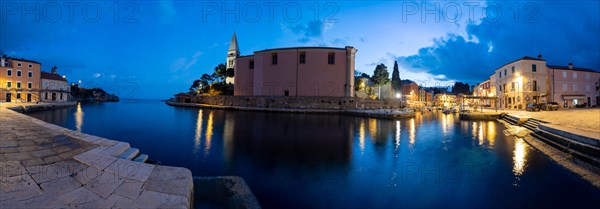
x,y
195,85
230,72
461,88
381,76
396,82
220,73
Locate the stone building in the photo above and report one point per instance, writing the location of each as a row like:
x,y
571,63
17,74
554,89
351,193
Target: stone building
x,y
573,86
530,80
298,71
54,87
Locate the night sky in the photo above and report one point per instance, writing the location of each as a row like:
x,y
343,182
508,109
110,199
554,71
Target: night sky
x,y
154,49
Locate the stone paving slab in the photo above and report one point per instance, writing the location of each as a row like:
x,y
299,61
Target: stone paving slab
x,y
46,166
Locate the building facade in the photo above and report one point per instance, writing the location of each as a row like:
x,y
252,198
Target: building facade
x,y
574,86
531,81
522,82
301,71
410,91
19,80
54,87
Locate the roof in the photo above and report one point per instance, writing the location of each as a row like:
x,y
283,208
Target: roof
x,y
574,68
233,46
302,47
52,76
23,60
522,58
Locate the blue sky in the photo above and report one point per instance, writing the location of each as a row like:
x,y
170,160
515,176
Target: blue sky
x,y
154,49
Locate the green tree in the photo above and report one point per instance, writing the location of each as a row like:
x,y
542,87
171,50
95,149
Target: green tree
x,y
220,73
396,82
381,77
195,85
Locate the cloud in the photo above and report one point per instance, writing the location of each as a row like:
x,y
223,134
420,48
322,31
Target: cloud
x,y
490,44
311,32
97,75
183,63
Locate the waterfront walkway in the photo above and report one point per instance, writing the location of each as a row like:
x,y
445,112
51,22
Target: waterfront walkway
x,y
46,166
584,121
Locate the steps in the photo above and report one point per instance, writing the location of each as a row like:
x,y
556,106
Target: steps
x,y
125,152
582,151
129,154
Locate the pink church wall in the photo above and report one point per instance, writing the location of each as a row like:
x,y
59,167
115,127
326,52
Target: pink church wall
x,y
313,78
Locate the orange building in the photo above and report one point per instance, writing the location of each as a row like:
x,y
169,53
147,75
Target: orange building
x,y
19,80
410,91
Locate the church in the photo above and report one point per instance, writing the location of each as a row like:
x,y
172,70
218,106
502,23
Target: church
x,y
295,71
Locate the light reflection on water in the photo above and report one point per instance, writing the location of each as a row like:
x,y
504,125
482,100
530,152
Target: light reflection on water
x,y
198,132
289,159
78,117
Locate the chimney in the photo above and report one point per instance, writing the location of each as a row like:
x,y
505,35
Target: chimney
x,y
2,60
54,70
539,56
570,65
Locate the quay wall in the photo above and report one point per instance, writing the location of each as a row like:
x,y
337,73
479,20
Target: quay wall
x,y
41,107
321,103
480,116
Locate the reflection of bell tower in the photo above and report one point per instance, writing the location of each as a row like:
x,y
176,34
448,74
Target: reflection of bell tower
x,y
232,54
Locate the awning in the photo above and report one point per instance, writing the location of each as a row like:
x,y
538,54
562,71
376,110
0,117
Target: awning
x,y
574,97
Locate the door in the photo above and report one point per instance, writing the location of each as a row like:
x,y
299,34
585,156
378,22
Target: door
x,y
589,103
28,97
8,97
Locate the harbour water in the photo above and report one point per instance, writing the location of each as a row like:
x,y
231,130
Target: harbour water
x,y
336,161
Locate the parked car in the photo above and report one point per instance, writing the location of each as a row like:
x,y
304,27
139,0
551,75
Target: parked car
x,y
550,106
532,107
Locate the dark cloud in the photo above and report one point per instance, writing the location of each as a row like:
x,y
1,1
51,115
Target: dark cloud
x,y
562,32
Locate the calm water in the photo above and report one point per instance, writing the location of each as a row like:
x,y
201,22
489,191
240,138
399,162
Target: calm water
x,y
330,161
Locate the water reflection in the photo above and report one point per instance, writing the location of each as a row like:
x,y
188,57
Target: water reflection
x,y
198,134
519,157
397,138
361,136
412,132
78,117
491,133
209,133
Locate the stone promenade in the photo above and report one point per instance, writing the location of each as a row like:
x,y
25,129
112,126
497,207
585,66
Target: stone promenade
x,y
46,166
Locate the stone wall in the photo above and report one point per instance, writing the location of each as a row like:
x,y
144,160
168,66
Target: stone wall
x,y
325,103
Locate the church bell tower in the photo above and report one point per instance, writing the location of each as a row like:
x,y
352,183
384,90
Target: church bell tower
x,y
232,54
